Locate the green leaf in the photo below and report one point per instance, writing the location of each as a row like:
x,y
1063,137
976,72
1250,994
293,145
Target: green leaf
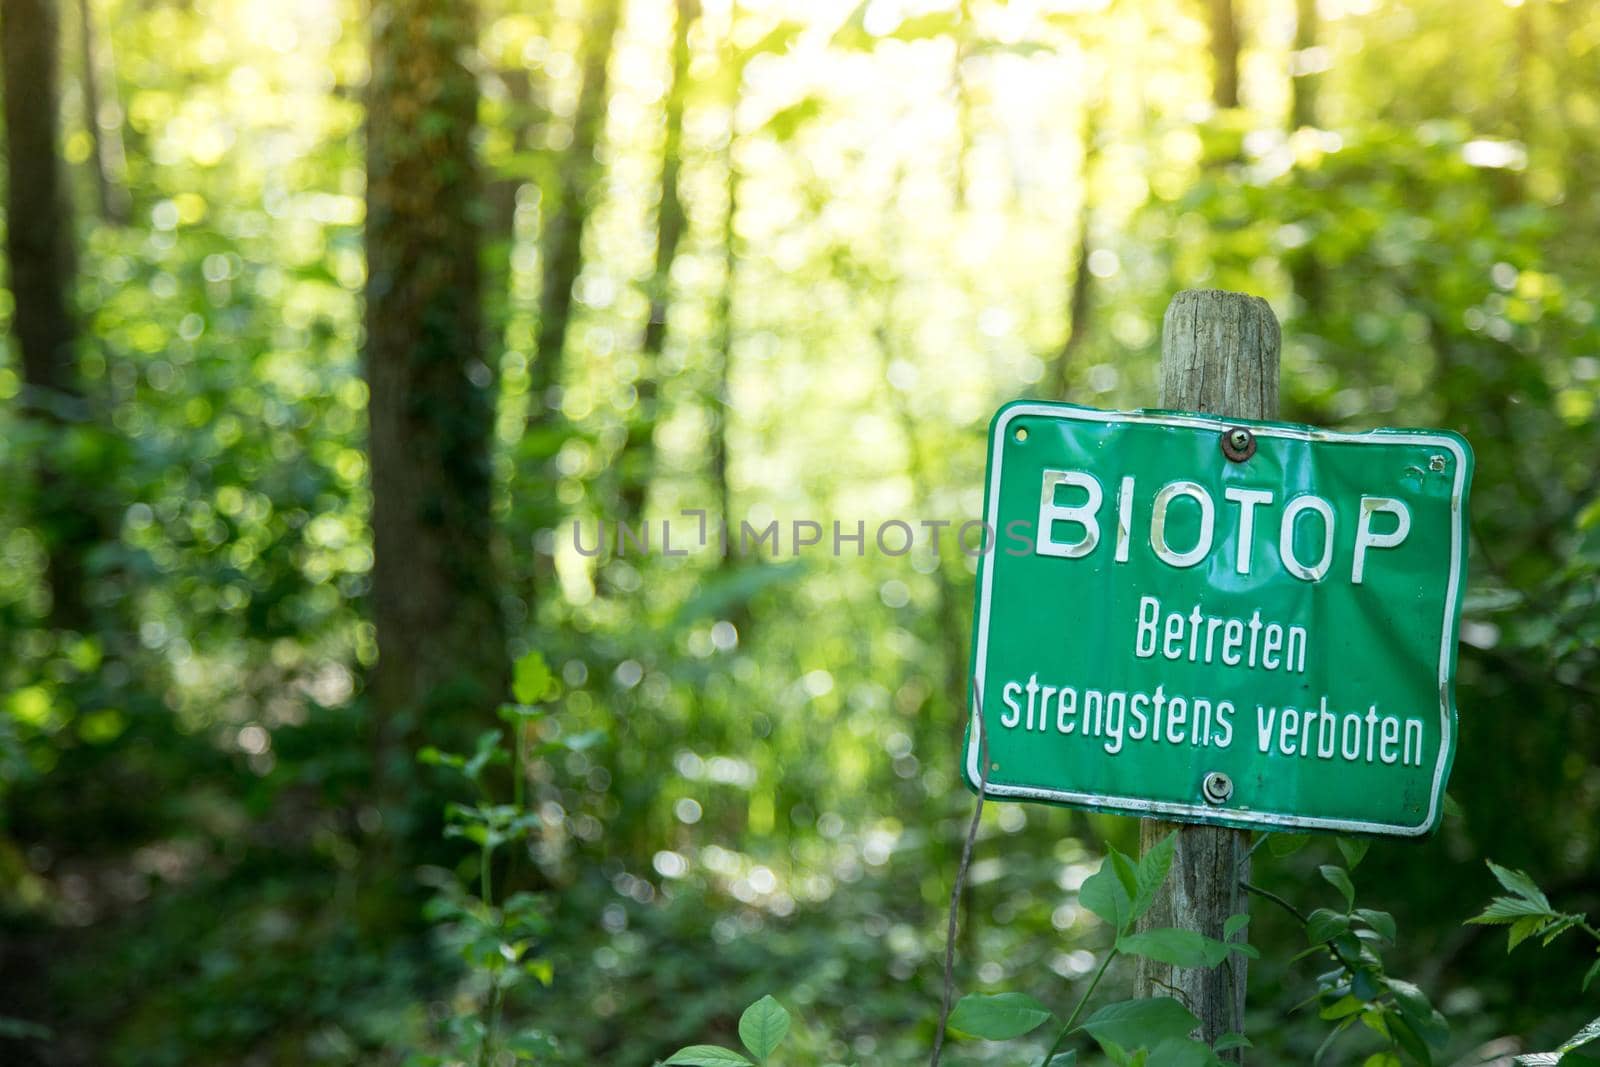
x,y
531,679
1000,1017
1104,894
1594,972
1380,922
1181,1052
1140,1023
1180,948
1233,925
1509,910
1152,872
1324,925
1336,877
1232,1041
1519,883
705,1056
1063,1059
1419,1013
1354,850
1523,929
1402,1032
762,1026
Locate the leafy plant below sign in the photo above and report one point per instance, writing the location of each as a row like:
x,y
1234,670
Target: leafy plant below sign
x,y
1150,1032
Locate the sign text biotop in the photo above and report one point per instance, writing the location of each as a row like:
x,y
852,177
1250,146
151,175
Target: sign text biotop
x,y
1219,620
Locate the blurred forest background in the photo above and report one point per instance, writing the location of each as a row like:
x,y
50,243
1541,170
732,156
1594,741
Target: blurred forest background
x,y
327,320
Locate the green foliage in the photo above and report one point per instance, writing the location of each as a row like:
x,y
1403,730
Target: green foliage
x,y
762,1028
1528,913
1360,989
998,1017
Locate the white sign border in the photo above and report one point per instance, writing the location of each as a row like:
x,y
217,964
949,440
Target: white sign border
x,y
1202,812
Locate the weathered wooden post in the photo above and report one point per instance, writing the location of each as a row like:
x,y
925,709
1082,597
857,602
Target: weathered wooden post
x,y
1219,356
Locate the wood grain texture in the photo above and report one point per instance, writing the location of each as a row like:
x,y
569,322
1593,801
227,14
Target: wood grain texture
x,y
1219,355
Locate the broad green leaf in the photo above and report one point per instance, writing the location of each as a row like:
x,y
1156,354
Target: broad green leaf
x,y
1409,1040
1353,849
1382,1059
1140,1023
1104,894
531,679
1000,1017
1380,922
1419,1013
1324,925
1152,872
1180,948
1233,925
1345,1007
1181,1052
1232,1041
762,1026
1340,880
705,1056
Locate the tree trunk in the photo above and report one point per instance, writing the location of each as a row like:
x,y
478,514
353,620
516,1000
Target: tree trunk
x,y
562,255
105,138
39,246
579,173
1078,295
722,411
1224,54
637,461
1303,84
1219,355
1305,267
441,639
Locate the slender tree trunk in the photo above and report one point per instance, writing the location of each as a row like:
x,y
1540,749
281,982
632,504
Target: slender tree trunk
x,y
105,138
579,173
562,258
1305,268
1303,84
441,639
1078,302
637,462
502,193
1224,54
722,410
43,326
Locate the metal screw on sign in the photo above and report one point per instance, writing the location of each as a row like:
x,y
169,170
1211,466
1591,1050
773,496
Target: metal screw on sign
x,y
1238,444
1217,787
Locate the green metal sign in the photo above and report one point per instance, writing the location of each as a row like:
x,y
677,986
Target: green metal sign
x,y
1219,621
